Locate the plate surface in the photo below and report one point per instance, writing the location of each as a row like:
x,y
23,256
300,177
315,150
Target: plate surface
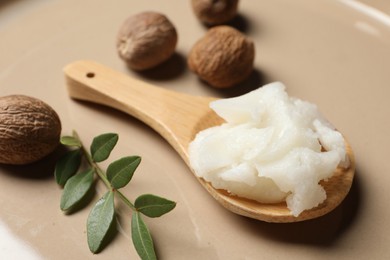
x,y
332,53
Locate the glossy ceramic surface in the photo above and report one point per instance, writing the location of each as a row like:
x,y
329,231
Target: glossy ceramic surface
x,y
333,53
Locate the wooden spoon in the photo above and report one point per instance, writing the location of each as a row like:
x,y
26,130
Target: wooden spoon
x,y
178,117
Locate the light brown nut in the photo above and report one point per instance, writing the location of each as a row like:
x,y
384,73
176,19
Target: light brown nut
x,y
145,40
29,129
223,57
214,12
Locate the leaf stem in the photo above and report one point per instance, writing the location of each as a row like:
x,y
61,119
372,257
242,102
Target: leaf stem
x,y
126,200
101,174
97,169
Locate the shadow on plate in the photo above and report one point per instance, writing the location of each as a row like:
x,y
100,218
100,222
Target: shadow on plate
x,y
322,232
239,22
40,170
255,80
6,3
172,68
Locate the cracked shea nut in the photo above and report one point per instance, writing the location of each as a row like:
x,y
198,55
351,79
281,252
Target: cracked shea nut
x,y
29,129
223,57
145,40
214,12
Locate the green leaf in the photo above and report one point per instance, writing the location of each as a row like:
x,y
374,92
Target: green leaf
x,y
76,188
142,239
153,206
102,146
120,172
99,221
70,141
67,166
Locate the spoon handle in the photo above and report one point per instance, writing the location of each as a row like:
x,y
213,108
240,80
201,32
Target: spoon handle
x,y
173,115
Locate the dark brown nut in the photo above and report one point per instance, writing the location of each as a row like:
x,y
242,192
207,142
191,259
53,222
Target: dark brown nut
x,y
214,12
29,129
223,57
145,40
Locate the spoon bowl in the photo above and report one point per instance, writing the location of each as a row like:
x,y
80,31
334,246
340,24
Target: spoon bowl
x,y
178,117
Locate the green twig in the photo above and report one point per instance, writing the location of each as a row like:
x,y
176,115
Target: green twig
x,y
101,174
118,175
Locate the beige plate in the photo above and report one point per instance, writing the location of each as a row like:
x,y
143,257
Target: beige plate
x,y
332,53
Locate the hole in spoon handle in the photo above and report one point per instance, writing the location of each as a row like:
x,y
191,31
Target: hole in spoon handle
x,y
90,75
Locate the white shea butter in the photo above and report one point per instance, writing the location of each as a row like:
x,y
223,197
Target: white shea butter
x,y
269,149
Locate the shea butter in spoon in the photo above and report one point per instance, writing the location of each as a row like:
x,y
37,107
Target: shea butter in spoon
x,y
179,117
272,148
